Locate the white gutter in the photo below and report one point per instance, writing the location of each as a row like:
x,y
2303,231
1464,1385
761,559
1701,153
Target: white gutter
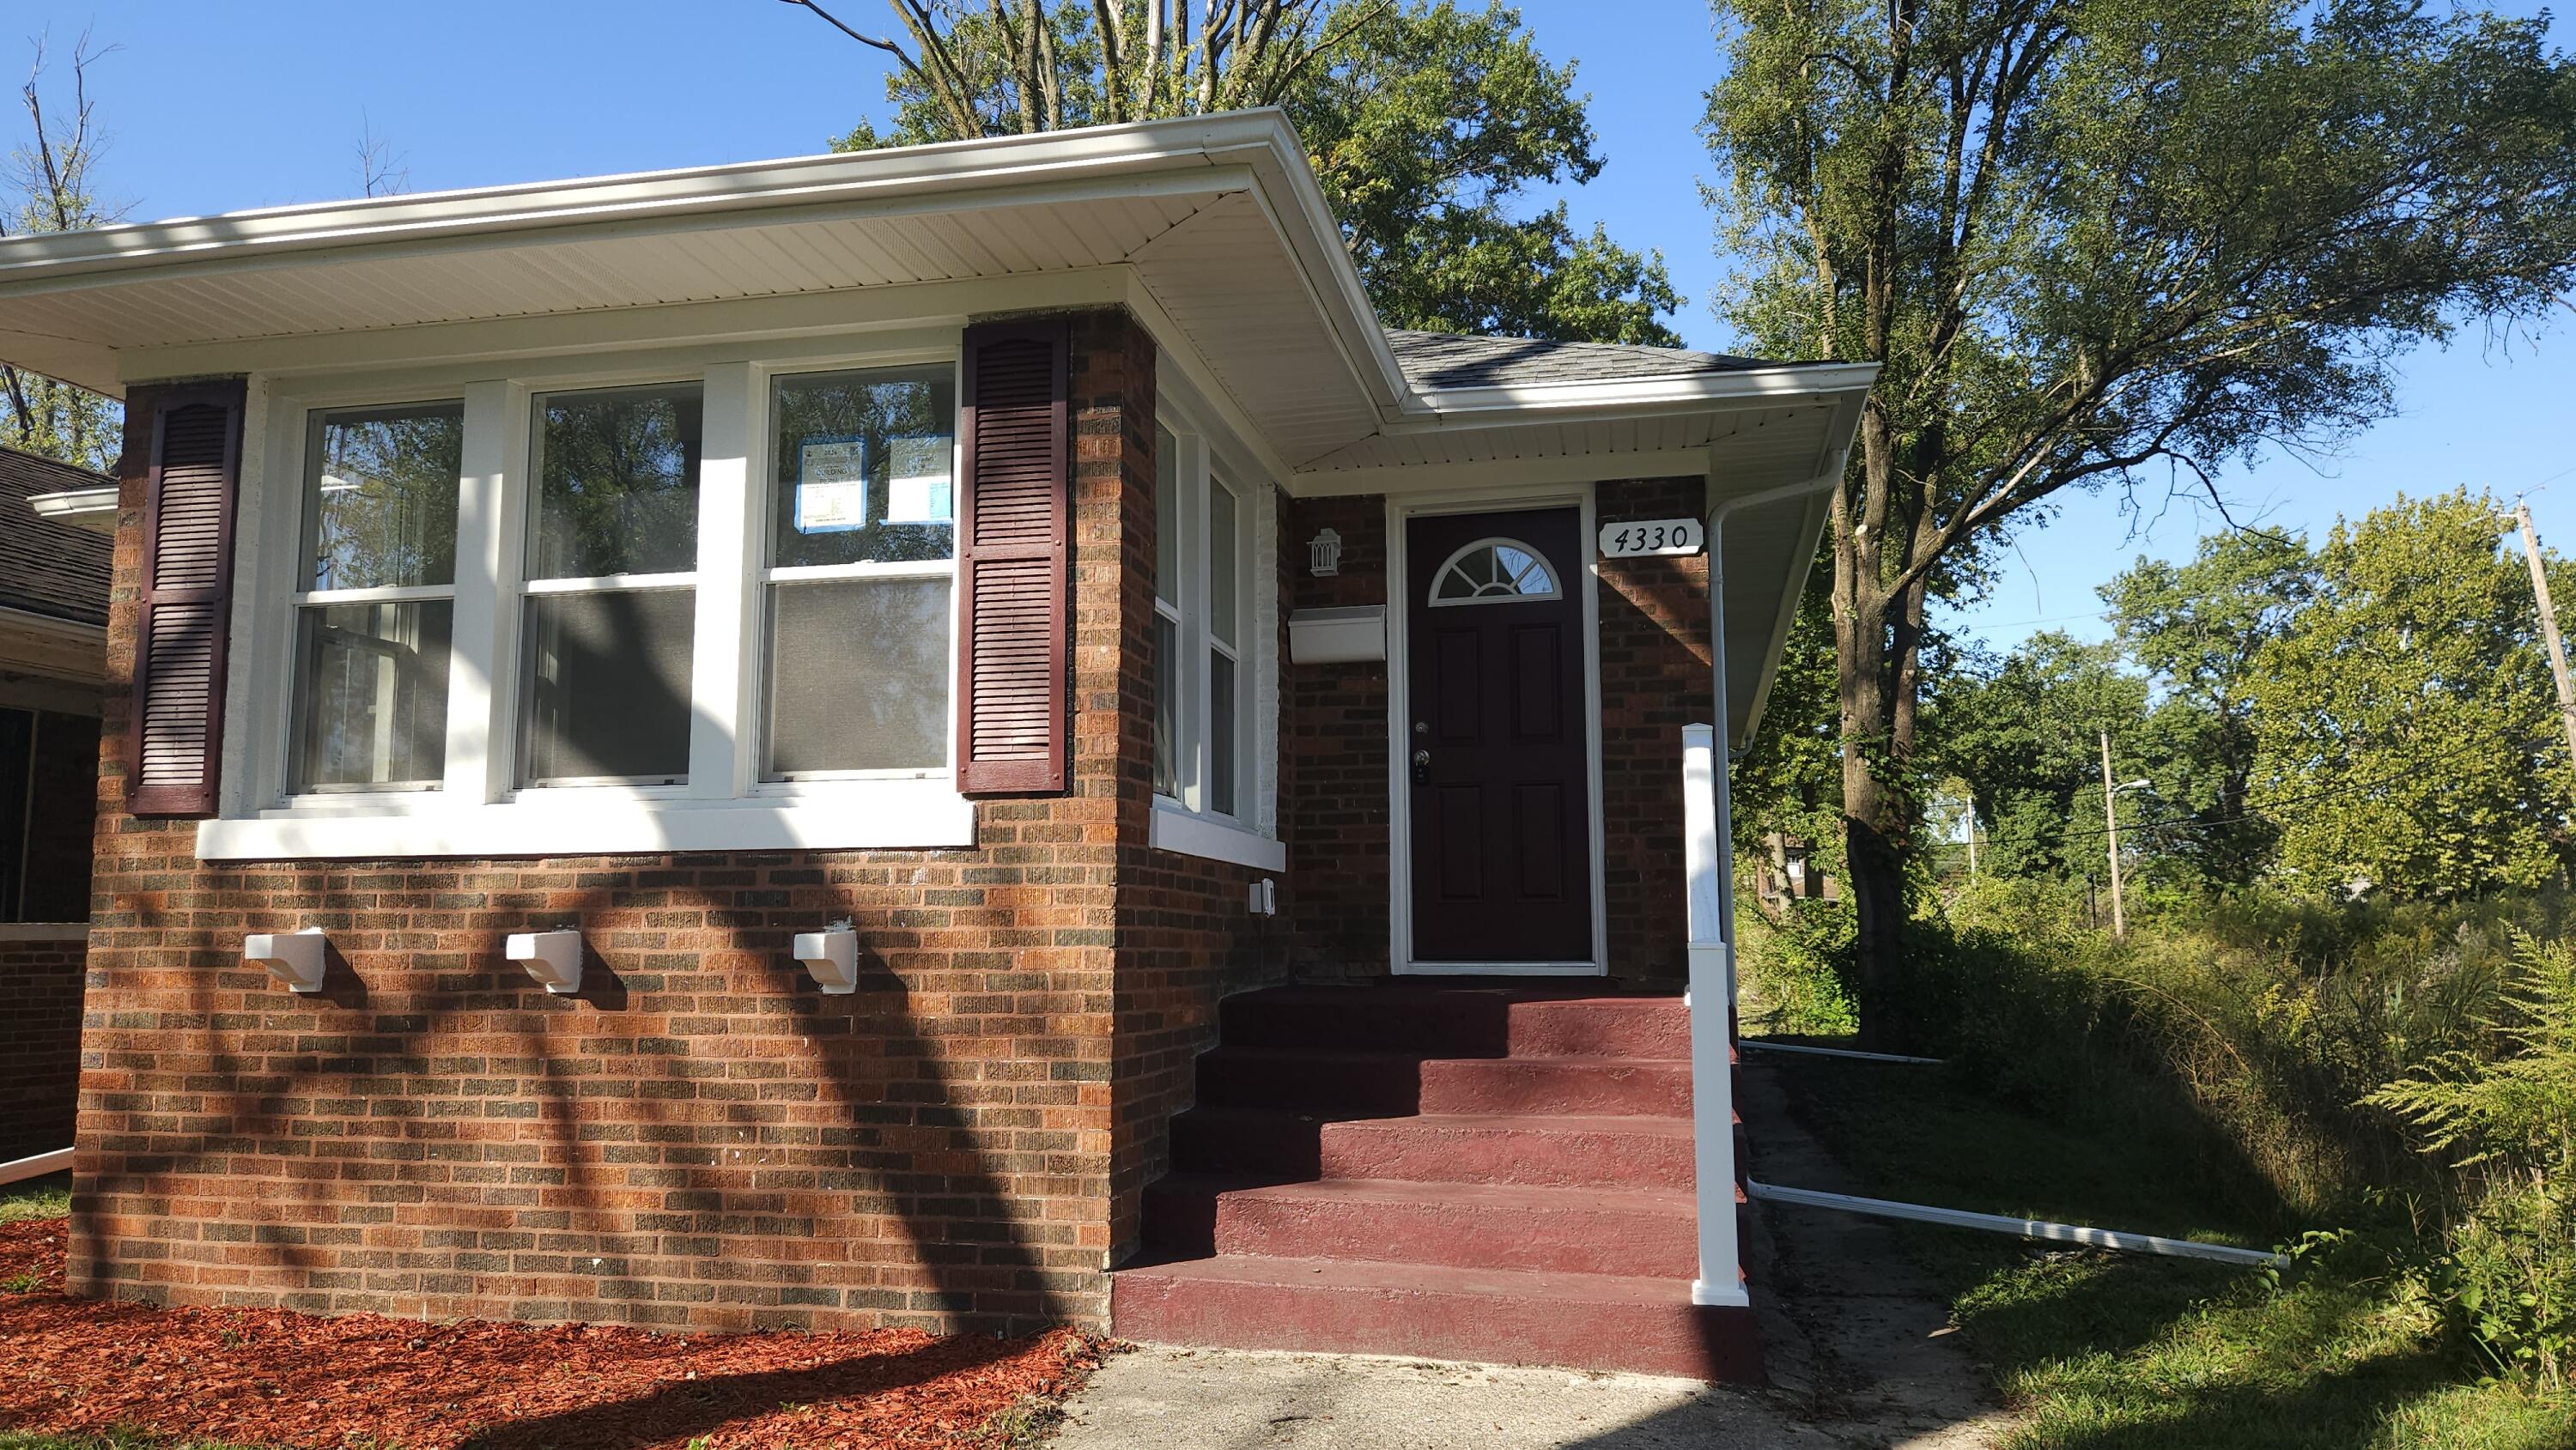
x,y
46,626
82,508
1668,393
2029,1228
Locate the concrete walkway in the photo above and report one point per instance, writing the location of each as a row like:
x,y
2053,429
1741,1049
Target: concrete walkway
x,y
1236,1399
1857,1341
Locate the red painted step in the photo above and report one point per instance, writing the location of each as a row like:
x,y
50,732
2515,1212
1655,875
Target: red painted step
x,y
1462,1225
1459,1023
1605,1087
1534,1149
1581,1321
1470,1173
1381,1083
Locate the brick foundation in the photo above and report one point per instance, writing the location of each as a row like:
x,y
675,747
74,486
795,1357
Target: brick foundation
x,y
40,1030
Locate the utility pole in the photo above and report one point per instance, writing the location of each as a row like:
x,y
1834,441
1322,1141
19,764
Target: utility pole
x,y
2548,623
2111,821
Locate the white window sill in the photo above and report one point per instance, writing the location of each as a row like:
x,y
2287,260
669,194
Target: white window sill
x,y
874,815
1183,834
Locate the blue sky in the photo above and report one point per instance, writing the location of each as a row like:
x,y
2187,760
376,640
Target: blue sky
x,y
470,92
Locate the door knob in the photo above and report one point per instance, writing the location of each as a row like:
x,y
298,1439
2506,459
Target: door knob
x,y
1422,767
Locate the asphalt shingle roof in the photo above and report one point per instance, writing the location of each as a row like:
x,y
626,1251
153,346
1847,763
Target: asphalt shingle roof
x,y
45,567
1433,360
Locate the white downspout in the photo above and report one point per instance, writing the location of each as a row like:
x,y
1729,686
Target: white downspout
x,y
1709,855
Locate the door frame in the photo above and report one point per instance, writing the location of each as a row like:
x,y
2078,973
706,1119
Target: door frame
x,y
1399,684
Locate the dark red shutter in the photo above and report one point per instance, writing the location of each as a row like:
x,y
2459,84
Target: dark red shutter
x,y
1013,561
189,435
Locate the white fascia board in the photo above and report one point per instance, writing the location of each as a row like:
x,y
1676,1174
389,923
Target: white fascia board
x,y
86,508
941,173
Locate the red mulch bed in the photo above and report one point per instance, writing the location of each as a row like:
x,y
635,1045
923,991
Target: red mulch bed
x,y
270,1377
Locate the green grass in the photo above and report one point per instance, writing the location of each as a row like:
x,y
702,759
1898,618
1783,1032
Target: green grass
x,y
48,1197
2122,1352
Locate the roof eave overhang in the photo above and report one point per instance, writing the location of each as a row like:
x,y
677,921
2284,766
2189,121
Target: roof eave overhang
x,y
1631,397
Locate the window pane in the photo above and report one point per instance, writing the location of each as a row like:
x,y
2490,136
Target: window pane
x,y
863,467
1222,755
858,675
380,497
1167,706
617,483
371,695
608,685
1167,515
1223,603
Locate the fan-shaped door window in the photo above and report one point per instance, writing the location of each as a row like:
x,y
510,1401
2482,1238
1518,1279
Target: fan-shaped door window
x,y
1494,571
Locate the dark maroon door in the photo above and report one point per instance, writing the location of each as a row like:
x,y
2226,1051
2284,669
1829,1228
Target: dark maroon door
x,y
1495,746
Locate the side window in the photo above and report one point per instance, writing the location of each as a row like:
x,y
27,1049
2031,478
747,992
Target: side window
x,y
1204,653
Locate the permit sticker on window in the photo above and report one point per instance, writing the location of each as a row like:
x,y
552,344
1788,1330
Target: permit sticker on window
x,y
919,490
832,486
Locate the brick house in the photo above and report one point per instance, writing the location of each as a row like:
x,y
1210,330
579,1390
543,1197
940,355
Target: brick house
x,y
950,736
53,656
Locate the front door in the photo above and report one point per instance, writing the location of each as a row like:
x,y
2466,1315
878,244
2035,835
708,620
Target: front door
x,y
1500,808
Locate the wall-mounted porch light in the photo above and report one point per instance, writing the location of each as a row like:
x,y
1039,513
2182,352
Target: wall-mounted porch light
x,y
552,957
832,955
293,957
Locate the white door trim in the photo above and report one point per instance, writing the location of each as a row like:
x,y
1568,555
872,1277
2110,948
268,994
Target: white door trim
x,y
1399,585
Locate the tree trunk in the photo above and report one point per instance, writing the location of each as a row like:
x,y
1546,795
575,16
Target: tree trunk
x,y
1877,637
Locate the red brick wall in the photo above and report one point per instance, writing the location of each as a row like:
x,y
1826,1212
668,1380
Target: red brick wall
x,y
700,1139
1654,680
40,1030
1332,742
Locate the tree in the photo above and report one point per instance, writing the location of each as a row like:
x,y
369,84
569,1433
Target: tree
x,y
51,174
1425,123
2405,724
2023,733
2090,237
2197,629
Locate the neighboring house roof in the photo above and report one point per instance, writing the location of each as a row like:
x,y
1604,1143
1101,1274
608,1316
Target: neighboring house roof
x,y
49,568
1437,360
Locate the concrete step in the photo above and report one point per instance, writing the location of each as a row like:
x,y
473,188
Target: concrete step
x,y
1561,1230
1579,1321
1447,1022
1389,1084
1534,1150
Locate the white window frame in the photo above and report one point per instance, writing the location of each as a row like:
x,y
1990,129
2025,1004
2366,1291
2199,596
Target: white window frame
x,y
481,810
302,596
1187,820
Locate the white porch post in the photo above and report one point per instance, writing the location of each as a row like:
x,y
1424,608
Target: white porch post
x,y
1707,857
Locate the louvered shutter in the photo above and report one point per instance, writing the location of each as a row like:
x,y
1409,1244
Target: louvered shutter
x,y
1013,736
193,436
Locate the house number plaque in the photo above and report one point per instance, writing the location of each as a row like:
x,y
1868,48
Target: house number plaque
x,y
1642,537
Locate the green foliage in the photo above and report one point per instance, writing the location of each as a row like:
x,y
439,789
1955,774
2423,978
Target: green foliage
x,y
2403,722
1797,968
2106,243
2023,732
1426,123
